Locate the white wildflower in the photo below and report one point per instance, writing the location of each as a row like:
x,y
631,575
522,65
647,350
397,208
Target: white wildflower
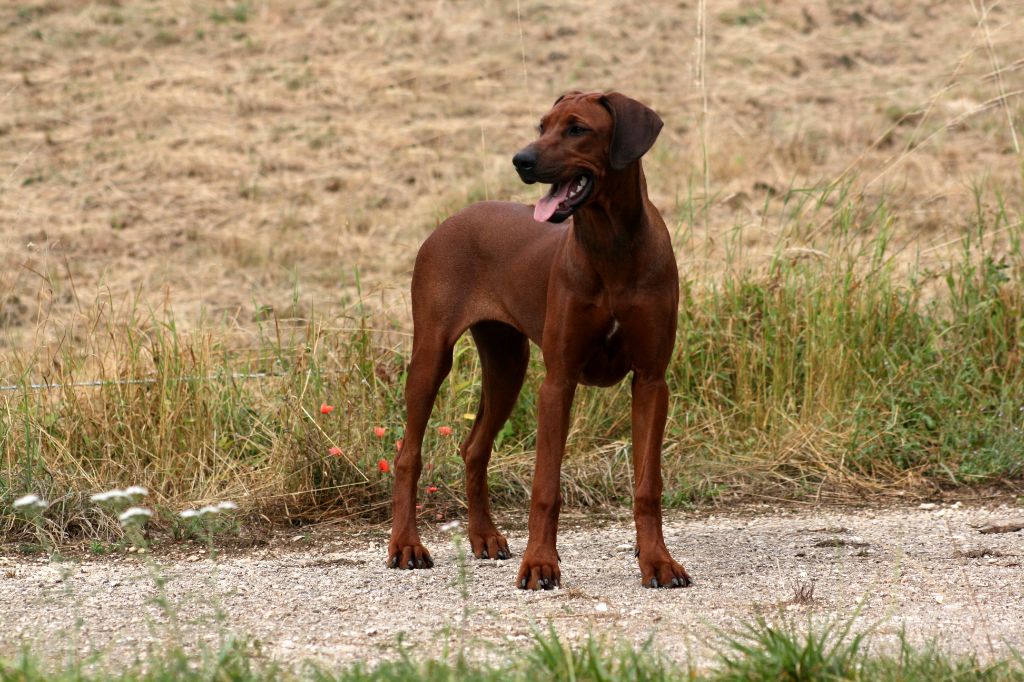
x,y
227,505
113,494
31,500
134,513
189,514
136,490
208,509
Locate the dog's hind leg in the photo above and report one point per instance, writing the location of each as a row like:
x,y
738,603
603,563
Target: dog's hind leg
x,y
431,361
504,355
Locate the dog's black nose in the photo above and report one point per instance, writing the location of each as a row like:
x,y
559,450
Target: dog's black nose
x,y
525,160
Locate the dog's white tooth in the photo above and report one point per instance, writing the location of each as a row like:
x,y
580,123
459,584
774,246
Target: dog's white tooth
x,y
583,181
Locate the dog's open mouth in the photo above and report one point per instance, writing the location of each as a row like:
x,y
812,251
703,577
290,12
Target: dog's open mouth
x,y
563,198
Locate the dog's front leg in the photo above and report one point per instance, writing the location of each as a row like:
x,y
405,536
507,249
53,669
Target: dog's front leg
x,y
650,410
539,569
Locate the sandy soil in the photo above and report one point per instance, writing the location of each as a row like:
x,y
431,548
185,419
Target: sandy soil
x,y
930,570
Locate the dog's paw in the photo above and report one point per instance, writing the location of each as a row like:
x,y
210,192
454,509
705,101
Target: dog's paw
x,y
409,556
539,571
663,572
489,545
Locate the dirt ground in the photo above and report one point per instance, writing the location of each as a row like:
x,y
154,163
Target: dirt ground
x,y
928,570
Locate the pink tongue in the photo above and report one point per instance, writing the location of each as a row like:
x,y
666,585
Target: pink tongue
x,y
546,207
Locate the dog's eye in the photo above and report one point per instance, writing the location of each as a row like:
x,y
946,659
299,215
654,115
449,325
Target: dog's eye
x,y
540,129
576,130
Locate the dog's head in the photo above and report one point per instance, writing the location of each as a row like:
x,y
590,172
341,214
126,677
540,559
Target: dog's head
x,y
583,139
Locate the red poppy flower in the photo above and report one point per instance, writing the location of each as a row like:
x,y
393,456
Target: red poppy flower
x,y
335,451
379,431
383,466
444,430
431,489
326,409
398,444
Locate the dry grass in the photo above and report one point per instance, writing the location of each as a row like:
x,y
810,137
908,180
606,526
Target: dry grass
x,y
221,159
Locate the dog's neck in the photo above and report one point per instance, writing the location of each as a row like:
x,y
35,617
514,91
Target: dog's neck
x,y
612,220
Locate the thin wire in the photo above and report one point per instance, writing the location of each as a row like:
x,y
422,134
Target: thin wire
x,y
96,383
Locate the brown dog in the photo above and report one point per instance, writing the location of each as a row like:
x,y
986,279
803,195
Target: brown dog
x,y
600,298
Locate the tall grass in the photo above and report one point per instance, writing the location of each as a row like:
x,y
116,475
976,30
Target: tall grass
x,y
832,371
843,370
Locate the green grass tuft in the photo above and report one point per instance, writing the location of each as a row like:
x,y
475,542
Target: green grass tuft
x,y
761,652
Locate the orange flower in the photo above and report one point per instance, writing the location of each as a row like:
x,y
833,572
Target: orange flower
x,y
326,409
335,451
379,431
383,466
431,489
444,430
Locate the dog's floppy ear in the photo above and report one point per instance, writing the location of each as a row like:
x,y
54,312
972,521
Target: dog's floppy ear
x,y
635,128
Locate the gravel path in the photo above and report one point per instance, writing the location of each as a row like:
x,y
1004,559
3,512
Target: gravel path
x,y
328,596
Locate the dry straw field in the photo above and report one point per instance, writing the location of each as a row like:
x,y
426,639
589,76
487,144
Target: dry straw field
x,y
193,188
216,158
